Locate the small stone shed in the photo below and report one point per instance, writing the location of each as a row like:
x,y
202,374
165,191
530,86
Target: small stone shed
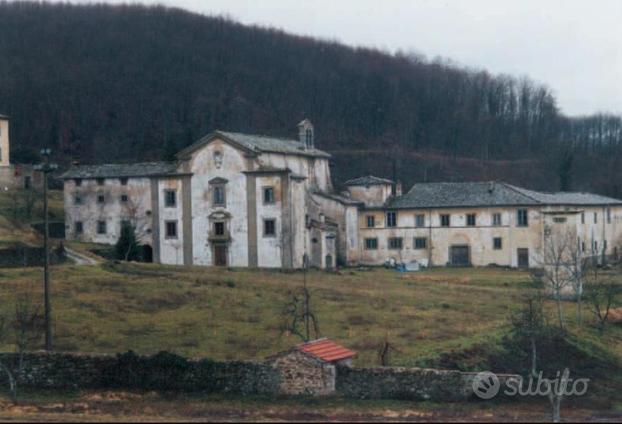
x,y
310,368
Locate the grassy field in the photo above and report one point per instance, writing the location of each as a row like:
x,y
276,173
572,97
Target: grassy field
x,y
15,220
236,314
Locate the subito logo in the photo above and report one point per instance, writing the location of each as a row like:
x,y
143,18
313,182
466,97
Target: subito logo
x,y
486,385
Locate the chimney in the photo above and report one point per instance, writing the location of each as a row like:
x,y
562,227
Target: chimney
x,y
305,134
398,188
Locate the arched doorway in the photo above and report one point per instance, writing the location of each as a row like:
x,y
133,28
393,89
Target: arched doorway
x,y
147,253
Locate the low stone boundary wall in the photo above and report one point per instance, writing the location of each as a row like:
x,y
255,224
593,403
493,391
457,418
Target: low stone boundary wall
x,y
166,371
26,256
408,383
163,371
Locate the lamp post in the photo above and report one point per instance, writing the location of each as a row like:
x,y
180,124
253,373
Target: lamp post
x,y
46,167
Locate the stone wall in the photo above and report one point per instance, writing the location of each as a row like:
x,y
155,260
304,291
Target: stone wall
x,y
163,371
285,374
302,374
407,383
26,256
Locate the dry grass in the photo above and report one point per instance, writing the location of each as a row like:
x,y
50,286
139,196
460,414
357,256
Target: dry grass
x,y
235,314
14,227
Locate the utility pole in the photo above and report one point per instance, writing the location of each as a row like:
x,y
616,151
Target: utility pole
x,y
46,168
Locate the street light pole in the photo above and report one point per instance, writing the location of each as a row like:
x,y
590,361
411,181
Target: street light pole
x,y
46,167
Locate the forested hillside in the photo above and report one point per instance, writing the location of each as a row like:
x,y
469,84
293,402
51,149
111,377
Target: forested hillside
x,y
122,83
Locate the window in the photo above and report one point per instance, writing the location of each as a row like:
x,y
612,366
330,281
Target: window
x,y
391,219
582,246
100,181
170,198
420,220
309,137
124,198
445,221
497,243
605,245
101,227
395,243
123,181
101,198
421,243
608,216
79,228
522,218
125,223
77,200
371,243
559,219
470,218
371,221
171,230
595,217
268,194
218,195
595,246
269,227
496,219
582,217
219,228
78,182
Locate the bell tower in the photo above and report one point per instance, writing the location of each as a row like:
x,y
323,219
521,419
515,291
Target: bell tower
x,y
4,141
305,134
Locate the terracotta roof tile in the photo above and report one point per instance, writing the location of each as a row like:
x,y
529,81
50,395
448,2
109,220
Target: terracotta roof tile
x,y
326,350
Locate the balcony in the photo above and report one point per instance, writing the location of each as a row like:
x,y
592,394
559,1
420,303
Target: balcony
x,y
222,236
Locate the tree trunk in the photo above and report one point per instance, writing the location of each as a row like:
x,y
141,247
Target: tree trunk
x,y
12,384
533,356
560,313
579,310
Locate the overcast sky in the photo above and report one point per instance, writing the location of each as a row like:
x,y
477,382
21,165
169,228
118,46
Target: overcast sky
x,y
573,46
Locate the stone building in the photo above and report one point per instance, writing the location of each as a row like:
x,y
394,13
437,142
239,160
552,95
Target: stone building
x,y
311,368
234,199
14,175
229,199
478,223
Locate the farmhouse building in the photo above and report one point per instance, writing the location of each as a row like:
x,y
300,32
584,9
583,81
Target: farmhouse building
x,y
14,176
234,199
480,223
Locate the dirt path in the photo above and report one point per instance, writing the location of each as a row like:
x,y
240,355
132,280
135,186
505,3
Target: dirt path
x,y
79,258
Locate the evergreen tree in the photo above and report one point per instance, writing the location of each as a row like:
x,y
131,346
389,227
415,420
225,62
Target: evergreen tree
x,y
127,247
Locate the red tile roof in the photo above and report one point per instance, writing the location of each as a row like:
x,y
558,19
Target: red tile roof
x,y
326,350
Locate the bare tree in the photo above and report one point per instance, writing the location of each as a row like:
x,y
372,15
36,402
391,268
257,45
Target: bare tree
x,y
4,367
385,350
298,317
576,267
557,268
28,325
556,394
529,323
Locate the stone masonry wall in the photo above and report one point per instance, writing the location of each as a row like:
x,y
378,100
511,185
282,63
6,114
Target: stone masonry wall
x,y
163,371
407,383
302,374
290,374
